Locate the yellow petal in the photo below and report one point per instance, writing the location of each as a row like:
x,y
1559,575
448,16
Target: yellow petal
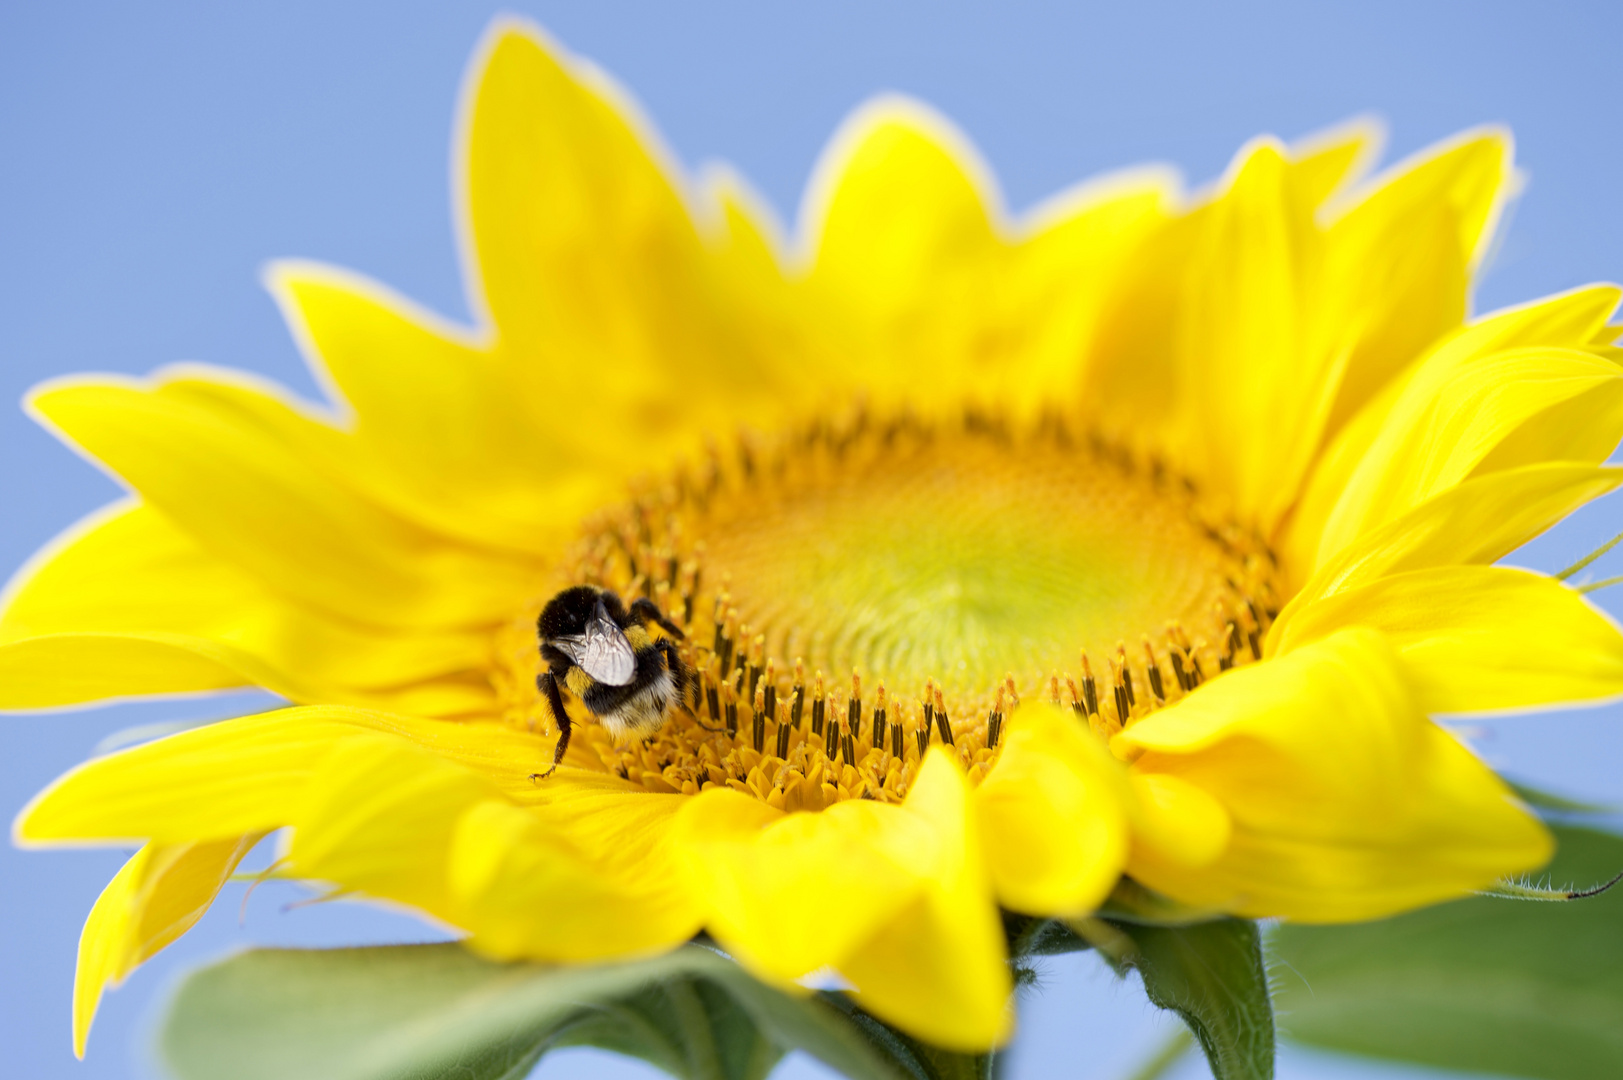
x,y
239,483
1044,304
1052,816
1304,546
590,265
769,881
1569,319
1174,822
1478,522
126,569
939,970
1479,637
526,889
156,897
1510,408
1326,162
898,198
69,669
930,294
377,817
565,191
1398,263
1583,427
899,215
248,775
1206,340
1346,802
807,345
1263,392
937,296
750,235
94,577
1136,362
461,446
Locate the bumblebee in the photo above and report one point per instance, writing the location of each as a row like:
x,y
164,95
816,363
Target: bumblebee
x,y
604,655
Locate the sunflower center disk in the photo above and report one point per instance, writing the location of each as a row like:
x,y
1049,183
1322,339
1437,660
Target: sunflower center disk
x,y
856,591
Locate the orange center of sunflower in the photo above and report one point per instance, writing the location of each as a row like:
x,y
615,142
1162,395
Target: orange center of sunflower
x,y
856,591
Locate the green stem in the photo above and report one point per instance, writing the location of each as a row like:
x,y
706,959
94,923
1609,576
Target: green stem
x,y
1591,557
1601,584
1167,1055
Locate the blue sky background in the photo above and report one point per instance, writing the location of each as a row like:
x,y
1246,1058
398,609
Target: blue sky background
x,y
152,157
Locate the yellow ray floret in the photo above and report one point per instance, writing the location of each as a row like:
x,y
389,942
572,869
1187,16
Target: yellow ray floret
x,y
154,899
1346,802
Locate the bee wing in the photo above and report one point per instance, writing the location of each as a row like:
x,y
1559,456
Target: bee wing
x,y
603,651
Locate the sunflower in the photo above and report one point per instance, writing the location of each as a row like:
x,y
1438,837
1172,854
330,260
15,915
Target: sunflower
x,y
1138,536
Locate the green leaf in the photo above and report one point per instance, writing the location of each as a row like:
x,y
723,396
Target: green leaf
x,y
1514,989
427,1011
1212,975
1539,799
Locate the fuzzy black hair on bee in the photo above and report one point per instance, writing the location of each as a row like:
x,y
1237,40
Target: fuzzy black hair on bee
x,y
605,656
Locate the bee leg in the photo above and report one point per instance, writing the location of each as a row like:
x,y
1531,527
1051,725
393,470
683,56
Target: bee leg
x,y
682,680
548,685
673,664
646,610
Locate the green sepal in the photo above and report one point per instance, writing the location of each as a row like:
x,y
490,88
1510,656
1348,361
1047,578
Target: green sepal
x,y
1034,935
1521,890
1212,975
427,1011
1131,902
1532,990
1591,557
919,1060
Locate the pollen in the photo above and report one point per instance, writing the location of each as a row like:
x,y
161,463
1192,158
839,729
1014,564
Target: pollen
x,y
863,588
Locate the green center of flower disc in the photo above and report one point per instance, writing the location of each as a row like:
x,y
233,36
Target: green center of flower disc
x,y
963,560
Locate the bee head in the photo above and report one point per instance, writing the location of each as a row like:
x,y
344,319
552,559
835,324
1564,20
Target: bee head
x,y
568,613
